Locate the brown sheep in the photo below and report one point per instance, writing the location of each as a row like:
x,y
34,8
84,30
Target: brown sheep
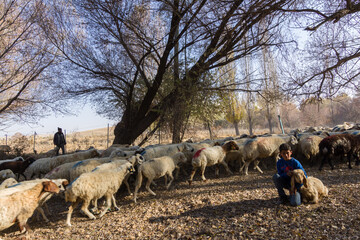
x,y
312,190
339,145
19,206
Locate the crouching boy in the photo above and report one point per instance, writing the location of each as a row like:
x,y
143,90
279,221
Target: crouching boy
x,y
282,179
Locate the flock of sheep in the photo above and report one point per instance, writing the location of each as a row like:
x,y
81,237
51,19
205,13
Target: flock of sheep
x,y
86,176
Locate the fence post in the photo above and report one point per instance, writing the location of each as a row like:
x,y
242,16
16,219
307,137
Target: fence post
x,y
34,143
107,140
5,139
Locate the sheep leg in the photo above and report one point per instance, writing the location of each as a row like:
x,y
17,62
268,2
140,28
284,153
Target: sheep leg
x,y
41,211
192,175
203,172
177,172
330,163
242,167
246,167
256,163
22,220
357,162
184,171
127,183
171,180
349,160
137,184
85,209
107,206
322,163
46,207
23,226
165,179
147,186
226,166
114,203
71,209
95,209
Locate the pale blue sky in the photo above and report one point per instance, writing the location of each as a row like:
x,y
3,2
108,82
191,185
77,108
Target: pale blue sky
x,y
87,119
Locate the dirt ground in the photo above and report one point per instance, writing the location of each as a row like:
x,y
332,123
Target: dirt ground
x,y
229,207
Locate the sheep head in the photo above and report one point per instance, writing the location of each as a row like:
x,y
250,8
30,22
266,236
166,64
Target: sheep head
x,y
231,145
50,186
131,169
298,176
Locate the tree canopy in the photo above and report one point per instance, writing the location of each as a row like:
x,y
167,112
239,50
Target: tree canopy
x,y
137,61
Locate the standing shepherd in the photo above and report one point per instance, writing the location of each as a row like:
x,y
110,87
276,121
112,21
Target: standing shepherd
x,y
59,141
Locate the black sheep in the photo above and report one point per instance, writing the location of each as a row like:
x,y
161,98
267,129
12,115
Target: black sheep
x,y
340,144
17,167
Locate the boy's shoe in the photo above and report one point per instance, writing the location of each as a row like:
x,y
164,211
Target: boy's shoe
x,y
284,200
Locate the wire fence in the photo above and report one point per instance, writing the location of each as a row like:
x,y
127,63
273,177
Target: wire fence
x,y
100,138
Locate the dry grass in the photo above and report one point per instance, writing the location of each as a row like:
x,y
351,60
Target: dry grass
x,y
102,138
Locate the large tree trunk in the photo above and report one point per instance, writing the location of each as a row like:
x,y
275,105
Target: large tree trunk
x,y
130,127
178,121
210,131
179,107
236,126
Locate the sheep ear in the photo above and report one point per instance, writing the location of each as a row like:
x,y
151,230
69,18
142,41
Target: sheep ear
x,y
65,183
305,181
49,186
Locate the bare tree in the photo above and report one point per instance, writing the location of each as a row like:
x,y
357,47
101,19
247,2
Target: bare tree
x,y
126,50
333,51
24,59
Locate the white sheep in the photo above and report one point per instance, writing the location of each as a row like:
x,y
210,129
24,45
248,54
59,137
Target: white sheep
x,y
45,165
62,171
120,148
94,185
152,152
8,182
218,141
87,166
211,156
156,168
5,174
263,147
19,206
134,160
309,146
189,152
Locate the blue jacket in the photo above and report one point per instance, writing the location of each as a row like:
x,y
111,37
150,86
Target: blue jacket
x,y
283,167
